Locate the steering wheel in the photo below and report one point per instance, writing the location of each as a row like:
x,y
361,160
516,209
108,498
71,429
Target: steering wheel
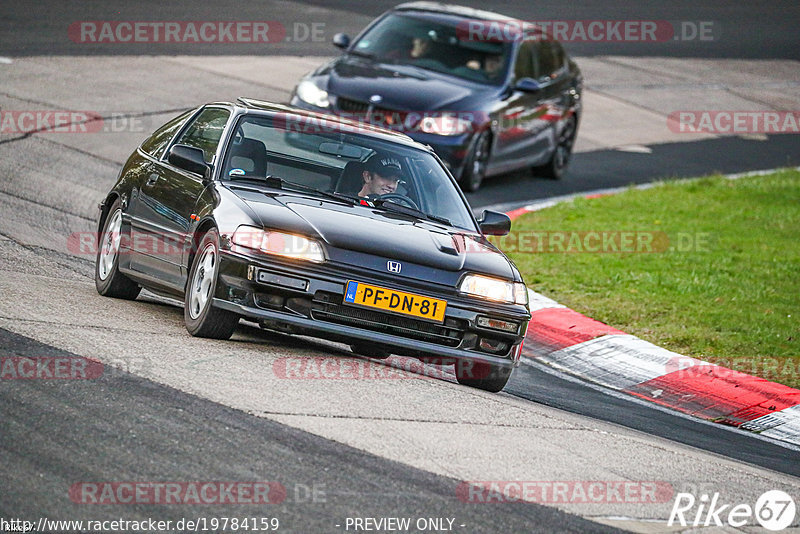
x,y
398,197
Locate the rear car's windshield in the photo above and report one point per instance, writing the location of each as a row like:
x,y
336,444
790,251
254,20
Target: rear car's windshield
x,y
439,43
321,153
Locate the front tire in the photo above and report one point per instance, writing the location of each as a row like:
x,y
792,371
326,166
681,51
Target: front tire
x,y
556,168
479,375
475,167
108,281
201,318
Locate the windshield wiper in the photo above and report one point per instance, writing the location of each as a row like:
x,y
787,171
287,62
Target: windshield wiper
x,y
408,210
277,182
242,178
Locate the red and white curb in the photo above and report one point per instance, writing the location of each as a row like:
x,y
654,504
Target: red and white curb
x,y
593,351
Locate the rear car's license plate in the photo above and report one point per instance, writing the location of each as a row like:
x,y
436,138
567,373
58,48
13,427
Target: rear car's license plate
x,y
361,294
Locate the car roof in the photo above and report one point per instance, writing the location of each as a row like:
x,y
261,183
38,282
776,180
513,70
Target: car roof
x,y
450,9
271,108
438,8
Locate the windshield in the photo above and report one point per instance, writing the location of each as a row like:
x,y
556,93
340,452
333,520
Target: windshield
x,y
437,43
317,153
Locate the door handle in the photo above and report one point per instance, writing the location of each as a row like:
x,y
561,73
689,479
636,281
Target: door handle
x,y
152,180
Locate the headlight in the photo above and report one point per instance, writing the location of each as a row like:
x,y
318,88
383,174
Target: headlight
x,y
494,289
278,243
308,92
446,124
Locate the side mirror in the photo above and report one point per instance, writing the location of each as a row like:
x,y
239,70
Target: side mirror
x,y
190,159
529,85
494,223
341,40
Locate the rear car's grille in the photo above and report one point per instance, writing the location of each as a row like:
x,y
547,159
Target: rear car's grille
x,y
352,106
387,118
448,334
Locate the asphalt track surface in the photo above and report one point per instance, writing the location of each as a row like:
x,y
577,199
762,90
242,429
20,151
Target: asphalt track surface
x,y
175,436
601,169
56,433
757,30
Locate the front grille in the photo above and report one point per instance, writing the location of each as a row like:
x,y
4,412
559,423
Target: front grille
x,y
449,334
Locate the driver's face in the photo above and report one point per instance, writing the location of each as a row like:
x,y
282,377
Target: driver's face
x,y
375,184
493,64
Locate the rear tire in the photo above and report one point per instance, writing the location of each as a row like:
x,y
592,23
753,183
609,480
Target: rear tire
x,y
479,375
201,317
108,281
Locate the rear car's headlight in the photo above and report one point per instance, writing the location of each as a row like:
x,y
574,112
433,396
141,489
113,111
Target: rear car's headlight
x,y
445,125
494,289
279,243
308,92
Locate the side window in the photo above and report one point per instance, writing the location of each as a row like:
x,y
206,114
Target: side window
x,y
524,66
156,143
205,131
550,59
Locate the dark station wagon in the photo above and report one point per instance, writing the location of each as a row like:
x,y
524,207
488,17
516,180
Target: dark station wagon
x,y
491,94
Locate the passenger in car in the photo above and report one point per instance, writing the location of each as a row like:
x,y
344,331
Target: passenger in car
x,y
406,49
491,65
419,47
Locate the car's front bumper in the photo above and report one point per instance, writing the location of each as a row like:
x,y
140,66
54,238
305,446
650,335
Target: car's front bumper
x,y
307,299
452,150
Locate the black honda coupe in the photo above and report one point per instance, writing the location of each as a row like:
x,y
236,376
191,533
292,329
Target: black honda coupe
x,y
315,225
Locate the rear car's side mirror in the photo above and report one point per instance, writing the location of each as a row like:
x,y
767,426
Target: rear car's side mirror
x,y
341,40
190,159
494,223
529,85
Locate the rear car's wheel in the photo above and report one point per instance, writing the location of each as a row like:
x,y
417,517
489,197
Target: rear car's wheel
x,y
201,318
475,165
481,375
557,166
107,278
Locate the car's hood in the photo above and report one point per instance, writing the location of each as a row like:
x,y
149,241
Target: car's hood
x,y
379,233
401,87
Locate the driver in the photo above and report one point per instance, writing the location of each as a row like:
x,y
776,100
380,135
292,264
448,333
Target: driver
x,y
382,175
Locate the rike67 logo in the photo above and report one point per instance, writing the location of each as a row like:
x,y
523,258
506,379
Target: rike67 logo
x,y
774,510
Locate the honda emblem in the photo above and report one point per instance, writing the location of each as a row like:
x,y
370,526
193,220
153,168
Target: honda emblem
x,y
393,266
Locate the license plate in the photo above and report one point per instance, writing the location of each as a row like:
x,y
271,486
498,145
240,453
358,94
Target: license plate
x,y
361,294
